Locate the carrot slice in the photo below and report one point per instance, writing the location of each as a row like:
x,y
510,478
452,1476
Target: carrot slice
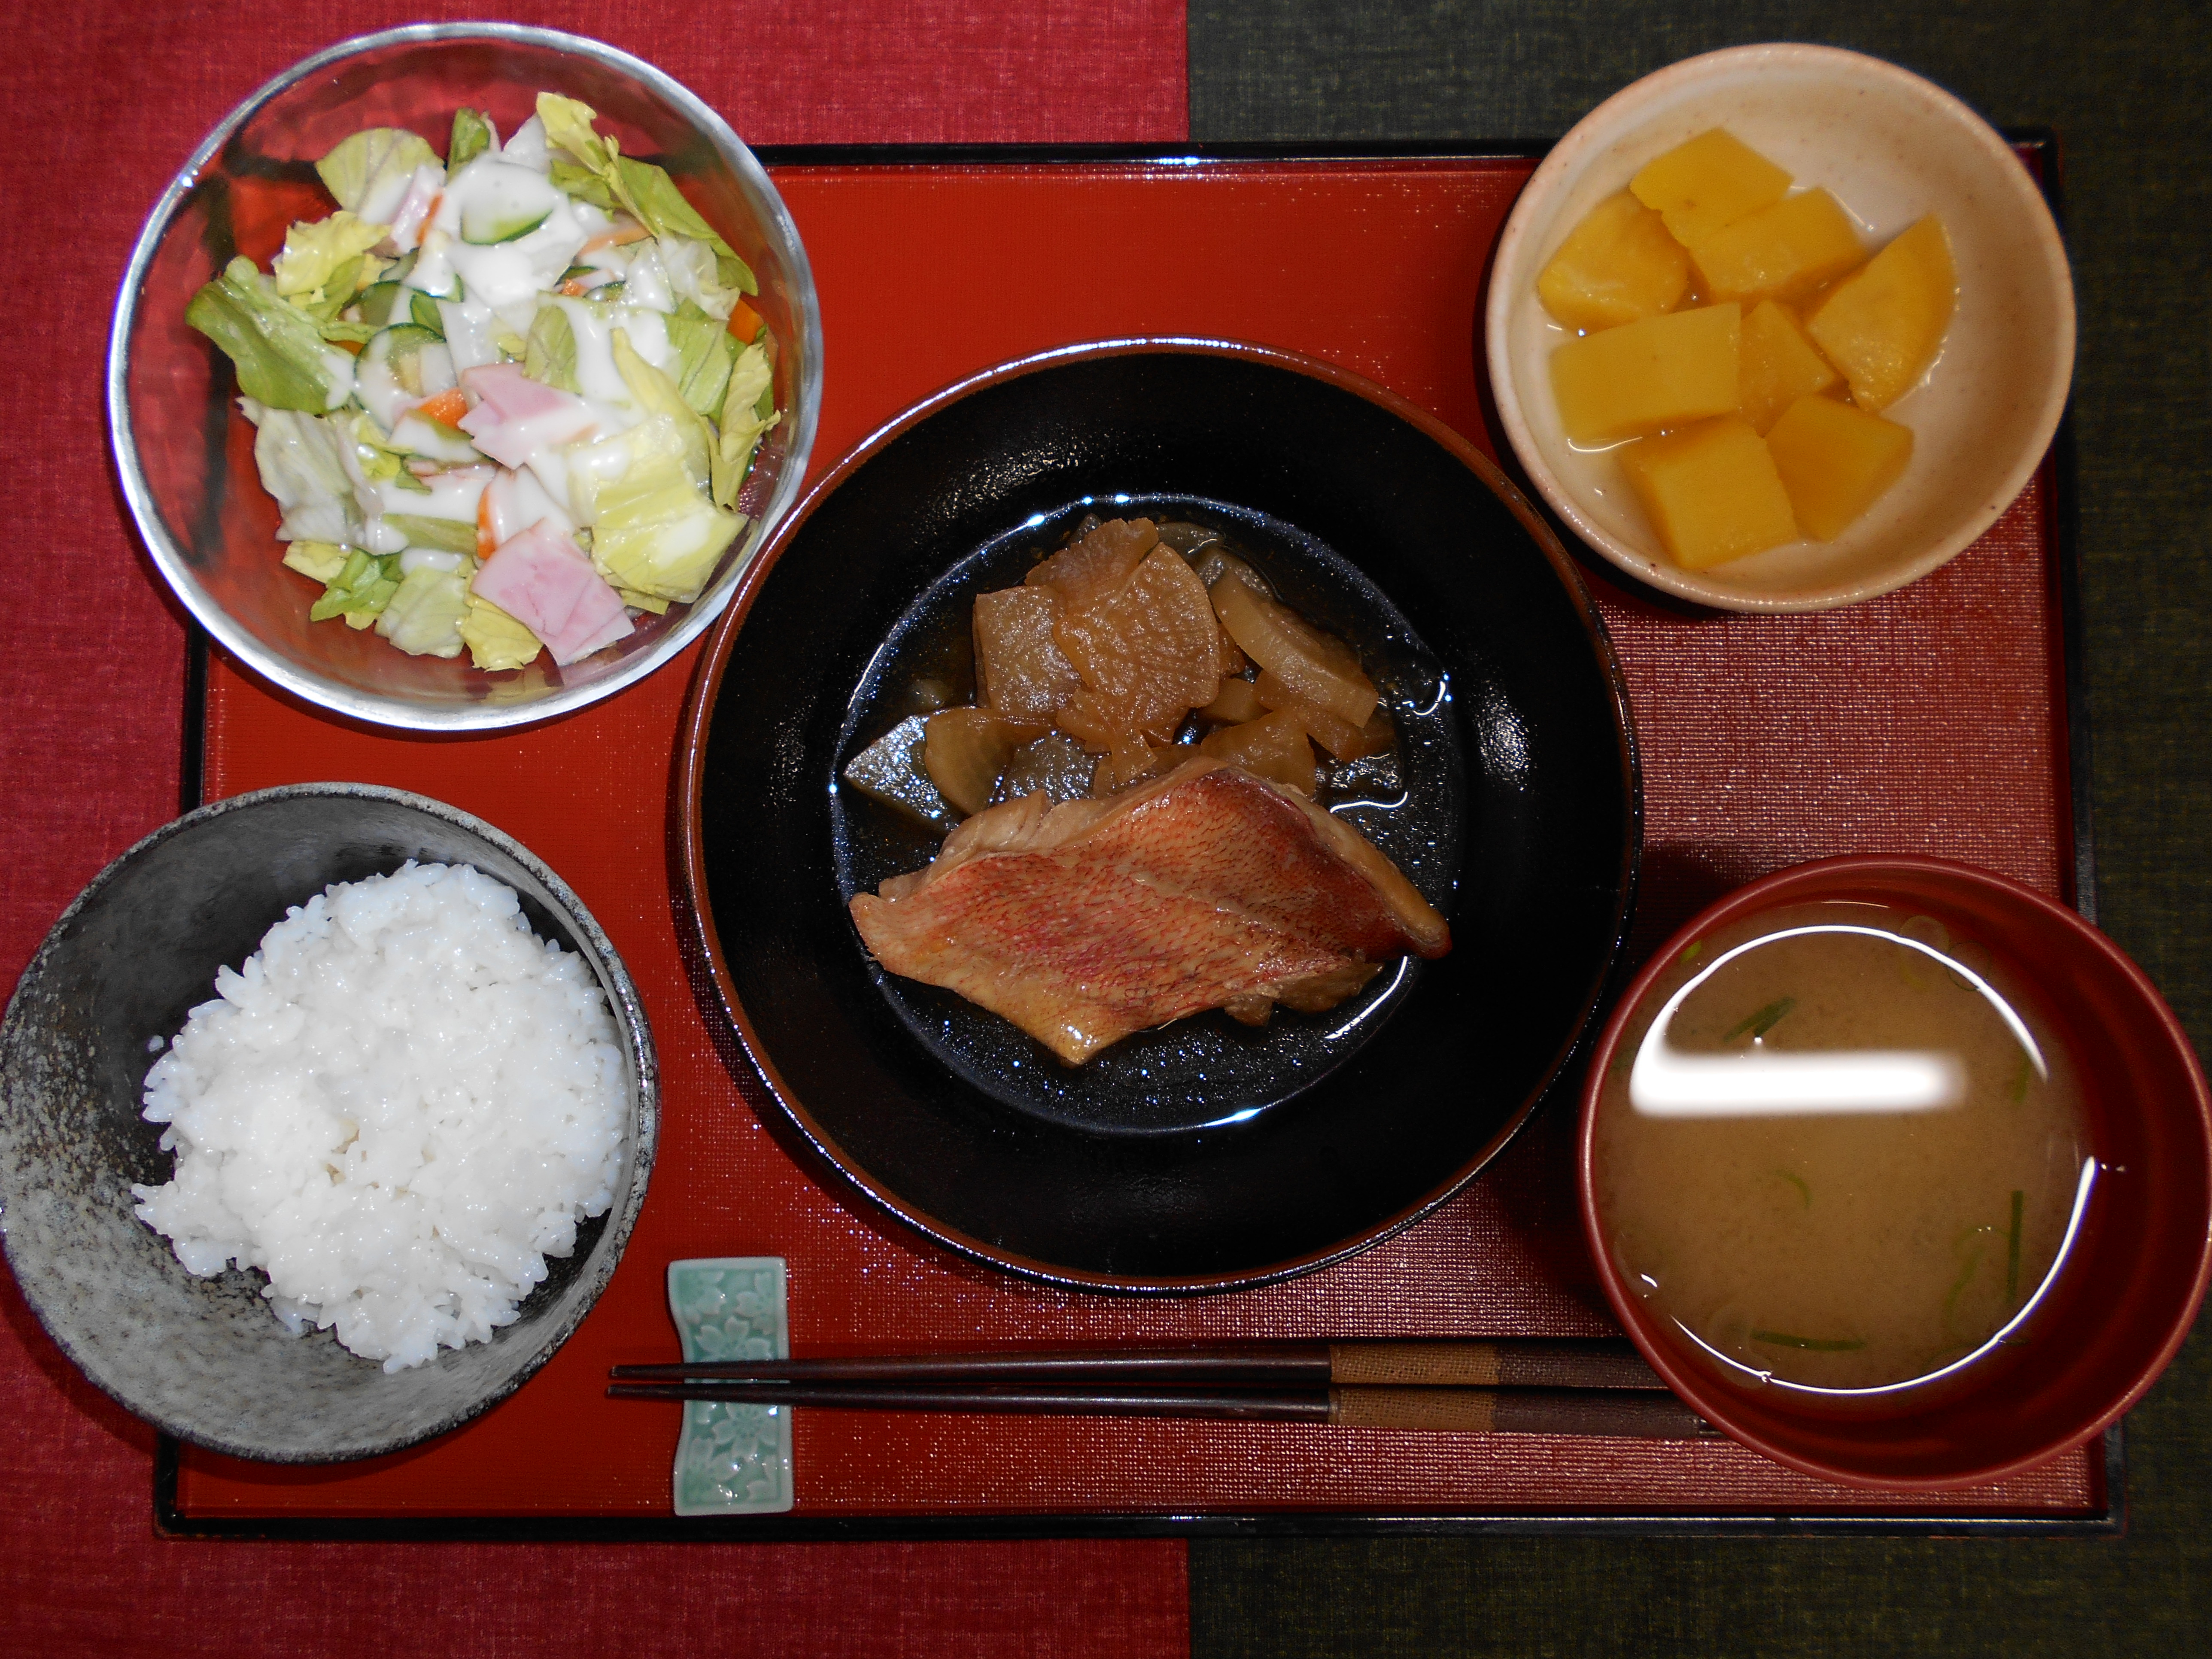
x,y
620,236
486,543
744,322
447,408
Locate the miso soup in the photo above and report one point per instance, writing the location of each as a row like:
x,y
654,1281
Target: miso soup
x,y
1837,1150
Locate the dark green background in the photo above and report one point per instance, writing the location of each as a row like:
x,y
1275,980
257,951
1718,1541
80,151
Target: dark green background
x,y
2120,82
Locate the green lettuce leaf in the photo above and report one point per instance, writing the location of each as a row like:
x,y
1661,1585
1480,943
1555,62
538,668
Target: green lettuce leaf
x,y
323,561
582,185
441,535
471,138
653,533
496,641
749,413
379,457
704,354
646,191
659,396
423,615
549,357
652,196
315,253
362,589
371,161
302,459
695,274
336,329
278,349
567,126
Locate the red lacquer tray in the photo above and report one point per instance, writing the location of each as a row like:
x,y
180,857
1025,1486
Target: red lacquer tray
x,y
1933,720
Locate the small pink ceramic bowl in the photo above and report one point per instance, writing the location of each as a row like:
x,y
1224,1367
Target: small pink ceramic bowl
x,y
1891,147
2119,1309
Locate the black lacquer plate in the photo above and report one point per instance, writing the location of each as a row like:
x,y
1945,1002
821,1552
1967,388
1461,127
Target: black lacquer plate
x,y
1198,1157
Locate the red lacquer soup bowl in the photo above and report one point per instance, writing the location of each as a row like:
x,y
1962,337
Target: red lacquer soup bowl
x,y
2108,1319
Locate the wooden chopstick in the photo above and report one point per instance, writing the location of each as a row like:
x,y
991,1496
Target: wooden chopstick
x,y
1467,1364
1620,1414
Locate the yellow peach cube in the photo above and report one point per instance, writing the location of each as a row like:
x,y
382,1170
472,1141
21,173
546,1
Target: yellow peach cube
x,y
1617,266
1779,365
1707,184
1882,325
1834,460
1778,252
1643,377
1711,492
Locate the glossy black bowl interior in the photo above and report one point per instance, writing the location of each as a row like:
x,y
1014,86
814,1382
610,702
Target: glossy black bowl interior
x,y
1206,1071
1092,1184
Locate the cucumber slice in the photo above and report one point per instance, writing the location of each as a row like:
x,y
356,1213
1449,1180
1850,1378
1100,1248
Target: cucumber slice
x,y
378,301
424,310
500,202
389,373
418,434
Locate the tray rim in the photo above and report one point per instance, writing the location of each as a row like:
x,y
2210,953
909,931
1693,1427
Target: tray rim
x,y
2058,474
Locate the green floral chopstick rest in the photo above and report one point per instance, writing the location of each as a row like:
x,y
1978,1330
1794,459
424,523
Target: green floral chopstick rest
x,y
731,1459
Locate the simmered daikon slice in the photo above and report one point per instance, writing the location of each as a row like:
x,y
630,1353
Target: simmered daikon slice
x,y
965,749
1019,672
1273,747
1149,648
1322,669
1343,740
1086,570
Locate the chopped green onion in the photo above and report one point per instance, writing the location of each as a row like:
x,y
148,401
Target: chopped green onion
x,y
1798,1182
1959,1286
1765,1020
2012,1250
1693,950
2019,1089
1812,1344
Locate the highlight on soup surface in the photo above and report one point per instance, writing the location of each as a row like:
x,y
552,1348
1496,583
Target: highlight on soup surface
x,y
1838,1151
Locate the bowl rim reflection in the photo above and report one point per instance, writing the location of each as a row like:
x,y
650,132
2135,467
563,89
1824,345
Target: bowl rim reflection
x,y
387,710
1868,873
1590,141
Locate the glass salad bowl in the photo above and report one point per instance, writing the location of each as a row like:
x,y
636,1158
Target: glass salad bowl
x,y
184,450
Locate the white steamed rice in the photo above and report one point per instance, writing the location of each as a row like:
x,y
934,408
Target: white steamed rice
x,y
397,1109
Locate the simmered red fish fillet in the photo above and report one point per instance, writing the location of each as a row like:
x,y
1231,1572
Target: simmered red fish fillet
x,y
1208,888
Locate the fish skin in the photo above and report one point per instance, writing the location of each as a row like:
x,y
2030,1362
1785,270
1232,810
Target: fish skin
x,y
1084,922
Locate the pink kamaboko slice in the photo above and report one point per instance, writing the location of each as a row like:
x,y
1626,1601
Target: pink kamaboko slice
x,y
543,580
516,416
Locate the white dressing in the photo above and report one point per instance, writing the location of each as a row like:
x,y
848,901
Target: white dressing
x,y
517,500
413,208
526,148
469,327
507,276
451,494
594,326
648,286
